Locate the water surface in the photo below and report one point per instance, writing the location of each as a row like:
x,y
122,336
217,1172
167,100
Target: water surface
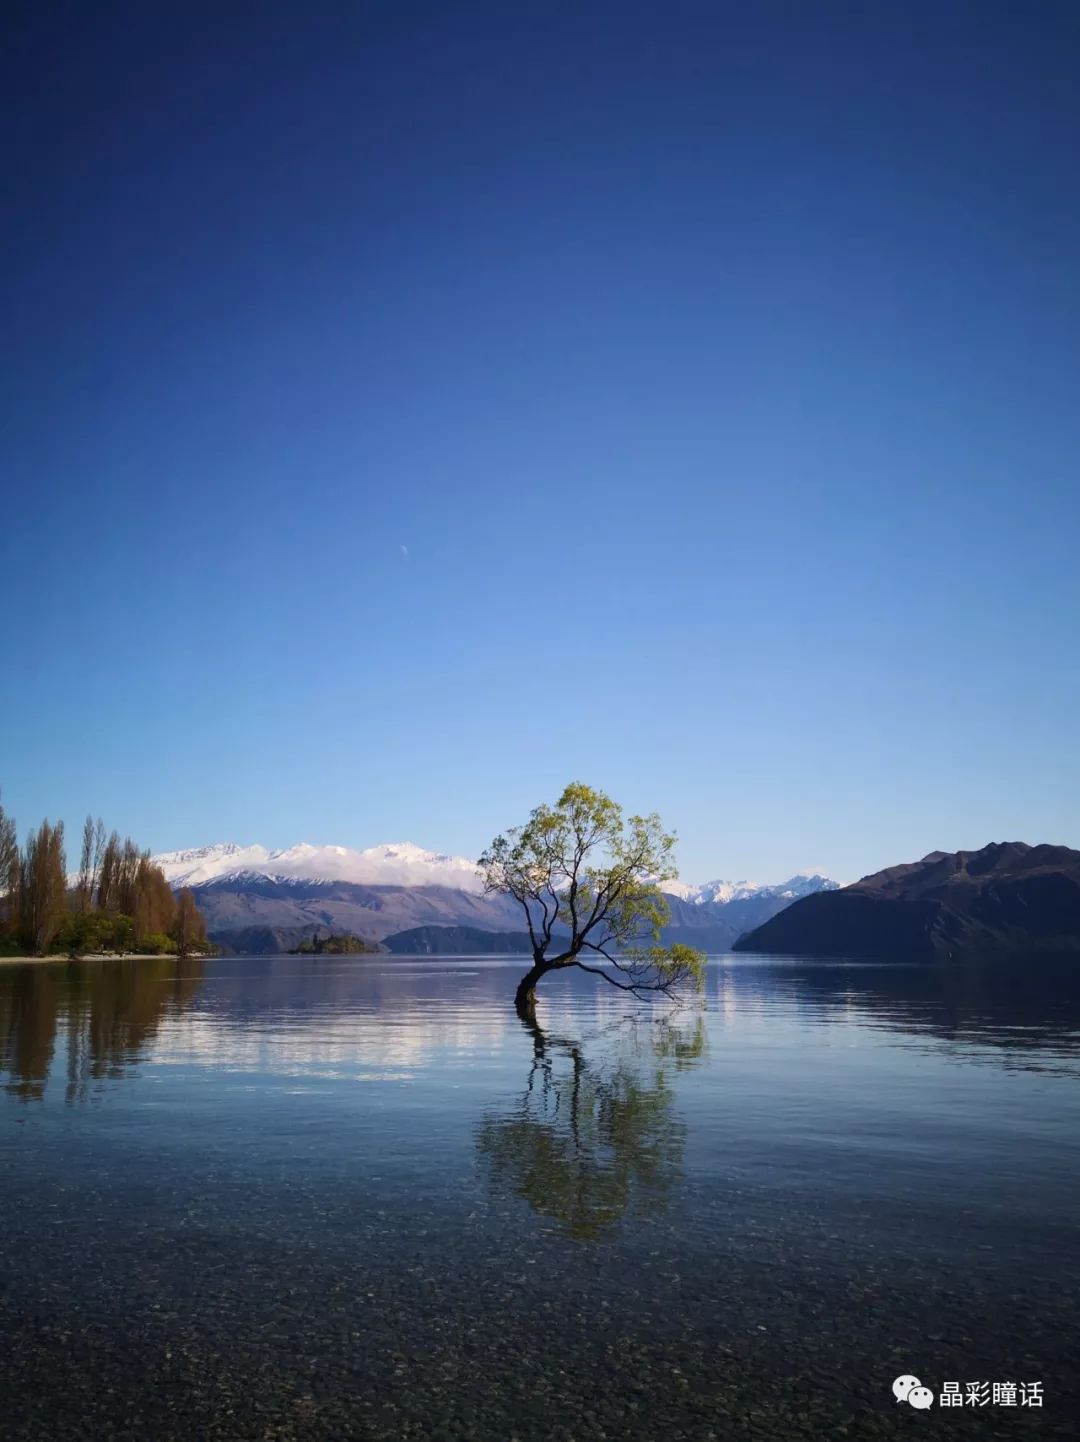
x,y
359,1198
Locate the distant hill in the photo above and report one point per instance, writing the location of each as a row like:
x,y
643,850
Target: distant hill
x,y
457,941
238,908
1008,897
261,940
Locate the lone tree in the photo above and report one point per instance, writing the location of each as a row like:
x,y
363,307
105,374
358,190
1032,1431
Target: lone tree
x,y
588,881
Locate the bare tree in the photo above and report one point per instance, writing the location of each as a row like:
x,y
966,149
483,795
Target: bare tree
x,y
99,852
83,892
43,885
154,913
127,872
108,888
190,926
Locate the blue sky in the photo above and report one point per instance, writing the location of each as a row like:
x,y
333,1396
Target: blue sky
x,y
715,366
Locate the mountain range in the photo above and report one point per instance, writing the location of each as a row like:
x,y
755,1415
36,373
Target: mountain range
x,y
260,900
1006,898
396,864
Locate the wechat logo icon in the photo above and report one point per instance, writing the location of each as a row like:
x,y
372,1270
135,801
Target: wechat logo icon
x,y
909,1389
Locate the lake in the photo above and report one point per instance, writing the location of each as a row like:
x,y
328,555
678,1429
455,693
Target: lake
x,y
358,1197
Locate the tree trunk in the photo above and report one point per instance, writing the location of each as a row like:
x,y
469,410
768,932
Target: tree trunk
x,y
525,996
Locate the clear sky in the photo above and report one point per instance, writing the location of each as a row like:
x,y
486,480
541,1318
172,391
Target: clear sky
x,y
407,408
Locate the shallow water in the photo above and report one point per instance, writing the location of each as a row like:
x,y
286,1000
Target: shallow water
x,y
358,1198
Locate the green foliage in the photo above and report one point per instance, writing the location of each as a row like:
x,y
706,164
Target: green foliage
x,y
122,934
83,932
92,933
589,880
158,944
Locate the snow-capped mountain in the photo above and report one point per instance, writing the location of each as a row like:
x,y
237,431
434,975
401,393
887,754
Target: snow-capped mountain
x,y
395,864
402,863
725,891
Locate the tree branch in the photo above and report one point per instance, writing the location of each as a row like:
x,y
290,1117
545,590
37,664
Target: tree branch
x,y
634,986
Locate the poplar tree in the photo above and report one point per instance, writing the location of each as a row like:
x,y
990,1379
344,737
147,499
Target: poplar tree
x,y
43,886
83,886
109,874
154,912
98,854
190,926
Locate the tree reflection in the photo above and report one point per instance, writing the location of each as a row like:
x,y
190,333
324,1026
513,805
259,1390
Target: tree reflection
x,y
595,1138
103,1015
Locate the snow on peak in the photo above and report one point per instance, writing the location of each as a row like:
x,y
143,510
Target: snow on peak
x,y
205,863
725,891
710,890
396,864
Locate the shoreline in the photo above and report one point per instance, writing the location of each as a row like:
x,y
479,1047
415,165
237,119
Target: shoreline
x,y
92,956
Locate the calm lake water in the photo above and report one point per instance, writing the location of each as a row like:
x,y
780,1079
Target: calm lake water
x,y
359,1198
